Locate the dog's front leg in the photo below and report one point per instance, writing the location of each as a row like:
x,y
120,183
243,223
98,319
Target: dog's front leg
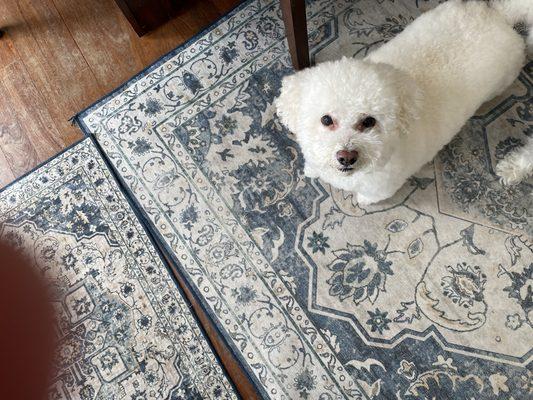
x,y
378,192
367,200
310,170
362,200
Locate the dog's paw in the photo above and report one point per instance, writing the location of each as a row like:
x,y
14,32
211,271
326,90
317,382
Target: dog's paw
x,y
506,170
364,201
517,165
310,172
513,169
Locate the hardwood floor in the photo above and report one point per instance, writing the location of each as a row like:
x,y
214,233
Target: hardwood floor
x,y
59,56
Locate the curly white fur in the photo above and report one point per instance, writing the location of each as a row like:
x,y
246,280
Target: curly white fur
x,y
421,88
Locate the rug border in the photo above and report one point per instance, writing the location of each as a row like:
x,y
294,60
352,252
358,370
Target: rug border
x,y
165,251
78,117
149,234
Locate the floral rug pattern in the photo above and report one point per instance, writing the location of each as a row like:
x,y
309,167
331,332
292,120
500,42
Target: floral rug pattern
x,y
124,329
425,295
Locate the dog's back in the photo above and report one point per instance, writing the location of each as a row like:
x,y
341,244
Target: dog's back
x,y
463,53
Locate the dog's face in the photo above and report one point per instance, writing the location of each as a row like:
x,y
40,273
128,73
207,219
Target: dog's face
x,y
347,115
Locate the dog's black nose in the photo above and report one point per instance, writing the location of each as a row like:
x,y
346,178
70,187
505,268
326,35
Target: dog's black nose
x,y
347,158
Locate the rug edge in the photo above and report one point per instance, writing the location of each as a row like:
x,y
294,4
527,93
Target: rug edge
x,y
165,260
170,259
78,117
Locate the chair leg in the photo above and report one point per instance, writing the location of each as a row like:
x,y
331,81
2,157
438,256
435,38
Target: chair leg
x,y
296,31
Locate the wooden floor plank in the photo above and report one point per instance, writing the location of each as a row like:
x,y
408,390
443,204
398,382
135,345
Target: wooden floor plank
x,y
6,174
52,59
8,54
104,39
153,45
195,17
224,6
28,134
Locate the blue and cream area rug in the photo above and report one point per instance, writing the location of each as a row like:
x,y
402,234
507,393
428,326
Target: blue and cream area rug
x,y
428,295
125,330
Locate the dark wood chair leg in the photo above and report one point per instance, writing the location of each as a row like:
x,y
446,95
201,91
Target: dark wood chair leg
x,y
296,31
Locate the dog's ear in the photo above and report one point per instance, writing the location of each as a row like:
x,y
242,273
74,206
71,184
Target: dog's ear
x,y
287,103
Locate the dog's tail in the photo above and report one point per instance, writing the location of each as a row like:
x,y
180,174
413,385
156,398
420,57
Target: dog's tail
x,y
515,12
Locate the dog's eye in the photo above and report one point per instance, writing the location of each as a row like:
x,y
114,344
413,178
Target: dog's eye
x,y
326,120
365,123
368,122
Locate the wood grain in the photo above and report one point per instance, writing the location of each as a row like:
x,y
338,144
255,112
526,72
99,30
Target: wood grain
x,y
52,59
6,175
295,23
27,132
194,16
7,52
154,44
104,40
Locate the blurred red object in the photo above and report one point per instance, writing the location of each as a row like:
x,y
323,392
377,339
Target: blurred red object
x,y
26,329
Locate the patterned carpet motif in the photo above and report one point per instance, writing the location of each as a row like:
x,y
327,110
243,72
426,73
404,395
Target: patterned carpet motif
x,y
426,295
125,330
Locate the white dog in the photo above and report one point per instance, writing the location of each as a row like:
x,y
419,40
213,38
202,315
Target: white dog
x,y
367,125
